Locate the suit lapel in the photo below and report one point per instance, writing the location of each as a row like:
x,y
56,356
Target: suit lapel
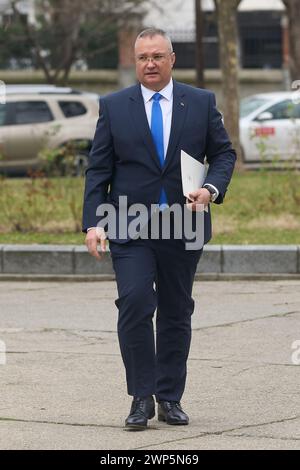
x,y
178,118
138,113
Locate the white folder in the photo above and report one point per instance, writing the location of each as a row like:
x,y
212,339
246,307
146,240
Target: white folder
x,y
192,173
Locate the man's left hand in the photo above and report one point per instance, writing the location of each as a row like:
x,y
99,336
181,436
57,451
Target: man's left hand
x,y
200,196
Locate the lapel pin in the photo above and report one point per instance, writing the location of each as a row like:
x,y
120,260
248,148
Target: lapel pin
x,y
182,104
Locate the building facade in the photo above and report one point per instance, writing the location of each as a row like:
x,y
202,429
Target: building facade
x,y
259,28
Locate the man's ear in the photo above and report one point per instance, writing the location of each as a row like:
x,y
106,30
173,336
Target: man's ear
x,y
173,58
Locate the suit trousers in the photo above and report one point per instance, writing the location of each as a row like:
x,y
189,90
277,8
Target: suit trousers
x,y
155,274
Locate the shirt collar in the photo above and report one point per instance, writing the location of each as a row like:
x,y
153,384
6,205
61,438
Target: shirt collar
x,y
166,92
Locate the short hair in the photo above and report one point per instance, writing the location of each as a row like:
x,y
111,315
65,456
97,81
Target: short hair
x,y
150,32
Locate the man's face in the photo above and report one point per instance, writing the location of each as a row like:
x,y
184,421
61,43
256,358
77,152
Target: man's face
x,y
154,62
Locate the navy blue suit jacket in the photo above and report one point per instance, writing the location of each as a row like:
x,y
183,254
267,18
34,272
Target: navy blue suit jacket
x,y
123,160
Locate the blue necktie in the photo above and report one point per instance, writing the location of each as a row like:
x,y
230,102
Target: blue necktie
x,y
157,131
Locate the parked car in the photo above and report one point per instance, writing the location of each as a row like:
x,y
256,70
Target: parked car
x,y
44,89
270,127
32,121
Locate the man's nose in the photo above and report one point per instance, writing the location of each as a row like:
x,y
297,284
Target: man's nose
x,y
150,63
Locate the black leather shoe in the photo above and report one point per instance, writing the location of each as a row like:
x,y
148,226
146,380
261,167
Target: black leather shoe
x,y
172,413
141,410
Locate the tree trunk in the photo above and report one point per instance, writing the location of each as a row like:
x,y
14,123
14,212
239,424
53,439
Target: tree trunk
x,y
293,13
199,44
228,50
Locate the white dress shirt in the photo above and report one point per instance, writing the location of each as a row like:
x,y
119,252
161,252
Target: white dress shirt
x,y
166,104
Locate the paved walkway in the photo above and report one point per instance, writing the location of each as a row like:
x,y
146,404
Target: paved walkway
x,y
63,385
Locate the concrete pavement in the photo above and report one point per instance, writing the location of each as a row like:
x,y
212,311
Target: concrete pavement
x,y
63,384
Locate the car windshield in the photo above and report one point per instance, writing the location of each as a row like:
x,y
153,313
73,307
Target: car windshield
x,y
250,104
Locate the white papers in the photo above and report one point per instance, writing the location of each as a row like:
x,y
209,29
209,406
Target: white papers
x,y
192,175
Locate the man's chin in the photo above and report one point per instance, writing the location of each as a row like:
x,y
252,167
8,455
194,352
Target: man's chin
x,y
153,80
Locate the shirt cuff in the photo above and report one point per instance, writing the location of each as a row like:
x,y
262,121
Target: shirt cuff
x,y
100,232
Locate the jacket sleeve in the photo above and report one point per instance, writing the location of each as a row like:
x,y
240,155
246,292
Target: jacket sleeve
x,y
99,171
220,155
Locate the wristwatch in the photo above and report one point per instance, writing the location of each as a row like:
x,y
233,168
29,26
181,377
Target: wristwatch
x,y
213,193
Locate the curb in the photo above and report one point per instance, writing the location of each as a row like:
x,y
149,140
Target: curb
x,y
218,261
103,277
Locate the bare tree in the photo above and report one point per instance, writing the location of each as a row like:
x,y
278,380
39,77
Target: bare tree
x,y
64,28
293,13
228,48
199,44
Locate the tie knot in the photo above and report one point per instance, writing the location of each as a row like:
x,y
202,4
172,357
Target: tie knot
x,y
156,96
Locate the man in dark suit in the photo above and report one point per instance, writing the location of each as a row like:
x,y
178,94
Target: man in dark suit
x,y
136,153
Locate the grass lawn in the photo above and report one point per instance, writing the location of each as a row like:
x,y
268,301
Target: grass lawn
x,y
260,208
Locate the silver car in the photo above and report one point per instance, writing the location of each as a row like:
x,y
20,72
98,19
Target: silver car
x,y
32,121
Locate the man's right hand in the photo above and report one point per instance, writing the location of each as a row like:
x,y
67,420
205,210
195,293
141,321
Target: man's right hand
x,y
93,237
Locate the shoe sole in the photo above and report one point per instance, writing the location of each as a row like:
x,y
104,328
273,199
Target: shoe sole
x,y
138,427
135,427
162,418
